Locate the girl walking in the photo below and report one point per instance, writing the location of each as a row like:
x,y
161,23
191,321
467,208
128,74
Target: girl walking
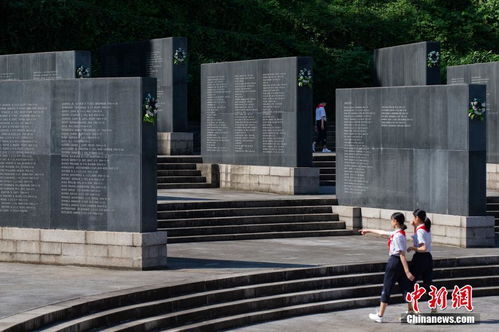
x,y
421,265
397,269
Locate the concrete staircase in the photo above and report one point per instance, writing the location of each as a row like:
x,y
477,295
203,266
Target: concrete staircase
x,y
242,220
327,164
493,209
232,302
180,172
331,135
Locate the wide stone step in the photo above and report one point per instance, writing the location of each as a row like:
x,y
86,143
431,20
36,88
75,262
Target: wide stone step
x,y
324,157
328,170
226,212
245,204
95,312
234,321
248,305
183,166
184,185
493,213
219,221
255,236
253,228
327,183
152,308
230,322
180,159
492,199
323,164
179,172
181,179
328,177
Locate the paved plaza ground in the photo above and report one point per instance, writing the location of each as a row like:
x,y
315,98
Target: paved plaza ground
x,y
27,286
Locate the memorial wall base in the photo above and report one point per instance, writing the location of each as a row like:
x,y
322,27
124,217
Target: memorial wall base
x,y
272,179
492,176
170,143
124,250
460,231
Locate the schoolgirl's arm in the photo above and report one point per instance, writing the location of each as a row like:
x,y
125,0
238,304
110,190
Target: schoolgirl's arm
x,y
403,260
421,248
419,242
373,231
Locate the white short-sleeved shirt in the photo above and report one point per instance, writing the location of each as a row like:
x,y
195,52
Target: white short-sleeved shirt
x,y
319,113
398,243
422,237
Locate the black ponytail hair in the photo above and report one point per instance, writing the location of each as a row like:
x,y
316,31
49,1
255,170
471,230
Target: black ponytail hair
x,y
400,218
421,214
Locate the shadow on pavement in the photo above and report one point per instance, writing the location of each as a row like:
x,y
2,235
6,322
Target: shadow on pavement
x,y
172,198
179,263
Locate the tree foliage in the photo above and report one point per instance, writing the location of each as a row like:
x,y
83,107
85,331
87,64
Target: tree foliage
x,y
339,34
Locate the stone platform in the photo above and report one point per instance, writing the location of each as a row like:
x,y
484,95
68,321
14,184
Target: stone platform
x,y
199,195
208,194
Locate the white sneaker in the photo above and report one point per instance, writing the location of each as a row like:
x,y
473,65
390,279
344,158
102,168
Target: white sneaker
x,y
375,317
326,150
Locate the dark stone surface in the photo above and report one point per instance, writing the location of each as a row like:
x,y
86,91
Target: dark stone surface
x,y
406,65
411,147
43,66
254,113
488,74
154,58
75,154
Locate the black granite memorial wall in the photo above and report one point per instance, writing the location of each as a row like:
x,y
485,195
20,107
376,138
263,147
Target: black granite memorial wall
x,y
44,66
164,59
410,64
257,112
488,74
411,147
76,154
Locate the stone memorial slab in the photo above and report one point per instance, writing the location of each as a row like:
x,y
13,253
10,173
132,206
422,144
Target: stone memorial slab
x,y
44,66
488,74
76,154
257,112
410,64
164,59
411,147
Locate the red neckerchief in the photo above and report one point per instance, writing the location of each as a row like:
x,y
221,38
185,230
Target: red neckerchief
x,y
423,227
401,231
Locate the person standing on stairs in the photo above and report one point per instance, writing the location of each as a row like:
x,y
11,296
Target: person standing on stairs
x,y
397,268
421,265
321,127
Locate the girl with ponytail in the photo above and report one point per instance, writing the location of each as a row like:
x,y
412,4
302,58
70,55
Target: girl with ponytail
x,y
397,269
422,262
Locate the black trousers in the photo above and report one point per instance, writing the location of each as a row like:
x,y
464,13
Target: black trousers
x,y
394,273
321,133
421,267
